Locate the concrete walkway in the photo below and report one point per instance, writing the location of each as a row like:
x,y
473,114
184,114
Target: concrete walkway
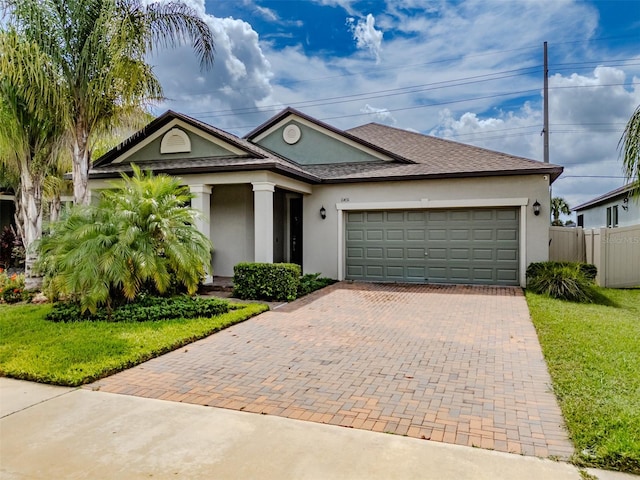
x,y
460,365
55,432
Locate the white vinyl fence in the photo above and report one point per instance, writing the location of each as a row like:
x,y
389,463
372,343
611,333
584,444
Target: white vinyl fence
x,y
614,251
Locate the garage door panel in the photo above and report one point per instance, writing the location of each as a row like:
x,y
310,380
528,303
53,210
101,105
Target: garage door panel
x,y
461,234
507,254
507,234
464,246
395,235
415,234
437,234
483,254
395,253
486,234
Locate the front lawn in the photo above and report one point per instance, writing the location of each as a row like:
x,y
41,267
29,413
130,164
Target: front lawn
x,y
72,354
593,354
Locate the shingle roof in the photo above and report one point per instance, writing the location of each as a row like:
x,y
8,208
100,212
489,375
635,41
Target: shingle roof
x,y
618,192
438,156
415,156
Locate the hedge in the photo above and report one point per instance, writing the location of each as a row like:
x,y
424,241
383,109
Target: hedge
x,y
266,281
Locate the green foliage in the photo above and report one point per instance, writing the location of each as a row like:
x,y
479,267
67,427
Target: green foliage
x,y
312,282
630,149
12,288
562,280
146,309
74,353
536,268
592,352
140,235
266,281
86,62
558,206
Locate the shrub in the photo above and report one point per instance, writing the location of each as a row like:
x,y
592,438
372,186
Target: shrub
x,y
140,236
12,288
266,281
562,280
312,282
588,269
146,308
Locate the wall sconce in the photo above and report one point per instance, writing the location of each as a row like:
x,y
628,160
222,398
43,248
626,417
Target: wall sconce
x,y
536,208
323,213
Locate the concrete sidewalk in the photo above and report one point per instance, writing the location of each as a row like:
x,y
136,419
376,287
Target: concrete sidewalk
x,y
56,432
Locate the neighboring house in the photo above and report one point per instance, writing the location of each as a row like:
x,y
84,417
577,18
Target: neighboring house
x,y
372,203
613,209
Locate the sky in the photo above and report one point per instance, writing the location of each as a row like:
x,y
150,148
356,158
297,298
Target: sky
x,y
466,70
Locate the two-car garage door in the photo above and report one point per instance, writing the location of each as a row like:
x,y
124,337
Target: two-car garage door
x,y
470,246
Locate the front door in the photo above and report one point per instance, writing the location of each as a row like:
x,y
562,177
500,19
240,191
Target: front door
x,y
295,230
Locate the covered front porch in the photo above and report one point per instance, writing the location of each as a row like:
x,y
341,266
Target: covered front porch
x,y
249,217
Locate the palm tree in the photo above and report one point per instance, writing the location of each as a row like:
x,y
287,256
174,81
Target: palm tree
x,y
139,236
99,51
630,142
30,142
558,206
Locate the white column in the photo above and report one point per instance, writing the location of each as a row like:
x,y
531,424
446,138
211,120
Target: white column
x,y
201,201
263,221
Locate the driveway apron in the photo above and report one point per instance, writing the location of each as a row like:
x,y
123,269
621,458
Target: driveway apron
x,y
454,364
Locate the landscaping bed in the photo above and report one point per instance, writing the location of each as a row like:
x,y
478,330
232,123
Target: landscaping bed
x,y
75,353
593,354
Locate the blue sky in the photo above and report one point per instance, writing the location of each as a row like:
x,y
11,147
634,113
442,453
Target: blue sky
x,y
467,70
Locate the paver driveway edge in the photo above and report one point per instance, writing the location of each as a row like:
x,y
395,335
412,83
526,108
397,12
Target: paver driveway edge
x,y
456,364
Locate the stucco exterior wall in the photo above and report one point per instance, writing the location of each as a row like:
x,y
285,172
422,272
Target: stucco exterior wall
x,y
596,217
231,227
321,248
314,147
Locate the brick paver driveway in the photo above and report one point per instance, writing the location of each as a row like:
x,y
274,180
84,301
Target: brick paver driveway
x,y
453,364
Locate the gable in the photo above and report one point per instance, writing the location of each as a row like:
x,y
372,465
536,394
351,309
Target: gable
x,y
307,143
178,140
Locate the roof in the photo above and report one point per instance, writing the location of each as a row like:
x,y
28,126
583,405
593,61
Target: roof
x,y
413,156
438,156
255,158
623,191
343,133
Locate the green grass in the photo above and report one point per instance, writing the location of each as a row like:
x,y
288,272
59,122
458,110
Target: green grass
x,y
72,354
593,354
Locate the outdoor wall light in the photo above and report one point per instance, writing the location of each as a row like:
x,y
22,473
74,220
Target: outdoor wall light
x,y
323,212
536,208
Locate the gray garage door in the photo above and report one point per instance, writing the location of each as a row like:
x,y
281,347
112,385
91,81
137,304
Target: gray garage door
x,y
471,246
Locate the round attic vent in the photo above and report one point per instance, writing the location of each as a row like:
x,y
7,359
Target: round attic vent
x,y
291,134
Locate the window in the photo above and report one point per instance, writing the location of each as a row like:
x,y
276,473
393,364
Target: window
x,y
581,220
612,216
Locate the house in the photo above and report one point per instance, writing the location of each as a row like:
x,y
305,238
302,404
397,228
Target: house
x,y
373,203
614,209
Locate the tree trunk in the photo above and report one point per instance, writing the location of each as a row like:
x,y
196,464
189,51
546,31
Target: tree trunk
x,y
55,206
31,205
80,170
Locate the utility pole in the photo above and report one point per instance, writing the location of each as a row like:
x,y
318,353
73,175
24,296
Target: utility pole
x,y
545,129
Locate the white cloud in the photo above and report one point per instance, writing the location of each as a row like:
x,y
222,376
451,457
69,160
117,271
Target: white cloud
x,y
426,43
587,114
366,36
379,114
240,78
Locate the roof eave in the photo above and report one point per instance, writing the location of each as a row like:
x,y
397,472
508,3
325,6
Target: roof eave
x,y
435,176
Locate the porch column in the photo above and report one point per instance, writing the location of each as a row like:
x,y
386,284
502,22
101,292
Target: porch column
x,y
263,221
202,202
